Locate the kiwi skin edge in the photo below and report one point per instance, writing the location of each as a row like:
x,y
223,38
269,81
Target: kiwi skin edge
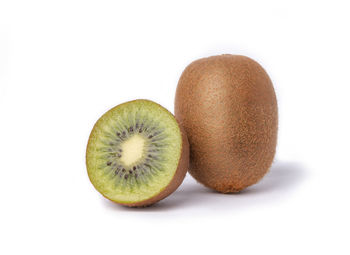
x,y
228,107
177,179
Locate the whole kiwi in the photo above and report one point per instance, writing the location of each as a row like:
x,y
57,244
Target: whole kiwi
x,y
227,106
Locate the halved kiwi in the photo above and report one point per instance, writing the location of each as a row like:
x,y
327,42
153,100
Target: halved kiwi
x,y
137,154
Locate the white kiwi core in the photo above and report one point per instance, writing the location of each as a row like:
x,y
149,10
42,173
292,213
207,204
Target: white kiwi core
x,y
132,149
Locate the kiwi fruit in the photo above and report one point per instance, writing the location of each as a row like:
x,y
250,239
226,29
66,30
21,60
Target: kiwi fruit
x,y
227,106
137,154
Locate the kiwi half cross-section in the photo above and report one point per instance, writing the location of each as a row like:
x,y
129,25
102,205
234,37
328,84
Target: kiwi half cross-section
x,y
137,154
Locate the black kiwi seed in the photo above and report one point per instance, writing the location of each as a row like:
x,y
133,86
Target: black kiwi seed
x,y
126,176
130,171
109,163
150,136
131,129
123,170
140,131
134,168
118,134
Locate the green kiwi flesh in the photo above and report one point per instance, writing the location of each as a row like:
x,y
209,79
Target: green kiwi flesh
x,y
137,153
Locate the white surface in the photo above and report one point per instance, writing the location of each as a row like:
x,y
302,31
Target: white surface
x,y
64,63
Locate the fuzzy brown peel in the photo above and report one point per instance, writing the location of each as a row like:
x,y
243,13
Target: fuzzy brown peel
x,y
228,107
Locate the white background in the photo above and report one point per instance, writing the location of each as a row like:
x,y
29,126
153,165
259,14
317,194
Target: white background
x,y
64,63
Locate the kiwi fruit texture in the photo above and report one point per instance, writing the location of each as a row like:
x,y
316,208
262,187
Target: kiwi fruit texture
x,y
137,154
227,106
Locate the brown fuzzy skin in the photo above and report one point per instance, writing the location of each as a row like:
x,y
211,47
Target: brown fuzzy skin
x,y
227,105
178,178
